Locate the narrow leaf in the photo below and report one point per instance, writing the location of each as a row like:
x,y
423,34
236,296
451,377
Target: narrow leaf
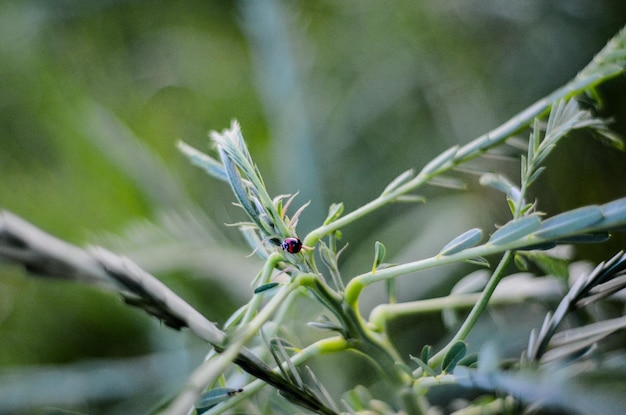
x,y
447,183
440,160
535,175
571,350
291,371
454,355
609,138
266,287
423,365
602,328
213,397
425,354
390,287
520,262
334,212
543,246
320,387
403,367
515,230
463,241
236,183
325,325
358,398
570,222
480,261
379,255
614,213
501,183
410,199
603,290
586,238
198,158
399,181
470,360
549,264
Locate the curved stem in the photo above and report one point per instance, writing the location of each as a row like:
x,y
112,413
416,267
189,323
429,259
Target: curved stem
x,y
477,310
255,302
586,79
320,347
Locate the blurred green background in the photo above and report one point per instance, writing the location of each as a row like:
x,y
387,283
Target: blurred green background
x,y
335,99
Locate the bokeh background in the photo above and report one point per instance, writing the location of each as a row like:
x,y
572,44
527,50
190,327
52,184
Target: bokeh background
x,y
335,99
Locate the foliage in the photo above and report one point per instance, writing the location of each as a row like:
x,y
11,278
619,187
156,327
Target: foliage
x,y
312,286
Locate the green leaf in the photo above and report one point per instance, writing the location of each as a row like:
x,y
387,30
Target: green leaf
x,y
515,230
571,343
534,175
236,183
614,213
403,367
423,365
609,137
501,183
278,349
480,261
520,262
439,161
570,222
325,324
399,181
358,398
379,255
425,354
512,205
549,264
390,287
198,158
334,212
586,238
410,199
265,287
470,360
543,246
447,183
463,241
454,355
211,398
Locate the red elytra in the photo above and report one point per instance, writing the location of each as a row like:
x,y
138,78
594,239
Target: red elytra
x,y
292,245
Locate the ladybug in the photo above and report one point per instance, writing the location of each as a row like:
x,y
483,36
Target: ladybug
x,y
292,245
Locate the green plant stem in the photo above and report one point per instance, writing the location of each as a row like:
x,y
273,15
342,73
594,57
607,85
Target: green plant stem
x,y
592,75
477,310
324,346
361,339
255,302
208,372
373,346
200,378
358,283
383,313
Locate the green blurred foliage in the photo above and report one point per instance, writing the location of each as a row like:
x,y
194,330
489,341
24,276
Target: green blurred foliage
x,y
335,99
